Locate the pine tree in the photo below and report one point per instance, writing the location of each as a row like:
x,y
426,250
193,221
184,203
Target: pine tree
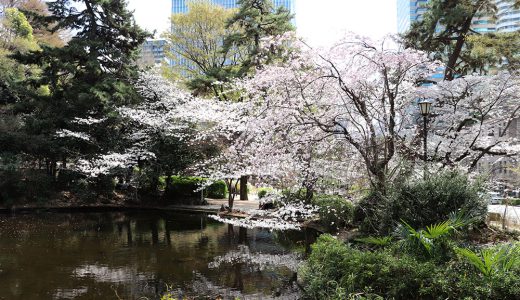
x,y
86,79
445,30
255,20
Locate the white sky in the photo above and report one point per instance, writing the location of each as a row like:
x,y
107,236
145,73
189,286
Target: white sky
x,y
320,22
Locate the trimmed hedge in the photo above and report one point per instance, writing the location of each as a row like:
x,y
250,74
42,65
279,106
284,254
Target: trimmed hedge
x,y
218,190
184,188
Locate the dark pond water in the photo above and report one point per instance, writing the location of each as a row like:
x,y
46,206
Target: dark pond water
x,y
134,255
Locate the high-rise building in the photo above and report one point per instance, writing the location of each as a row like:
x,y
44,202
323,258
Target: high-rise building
x,y
153,52
409,11
179,6
508,18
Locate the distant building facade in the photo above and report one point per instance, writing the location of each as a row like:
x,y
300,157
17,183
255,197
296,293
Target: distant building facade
x,y
507,20
153,52
408,12
180,7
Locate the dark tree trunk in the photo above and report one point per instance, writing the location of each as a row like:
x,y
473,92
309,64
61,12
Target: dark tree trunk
x,y
243,188
168,187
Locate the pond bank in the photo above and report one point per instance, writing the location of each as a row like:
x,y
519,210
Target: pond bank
x,y
213,207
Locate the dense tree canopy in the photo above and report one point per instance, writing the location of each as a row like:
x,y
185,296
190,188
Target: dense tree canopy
x,y
446,28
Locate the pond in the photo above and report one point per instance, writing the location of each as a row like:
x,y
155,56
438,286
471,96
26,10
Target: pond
x,y
142,255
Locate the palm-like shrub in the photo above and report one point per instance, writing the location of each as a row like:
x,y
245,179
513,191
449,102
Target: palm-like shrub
x,y
492,260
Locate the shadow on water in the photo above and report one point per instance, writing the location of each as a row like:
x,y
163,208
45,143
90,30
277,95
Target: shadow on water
x,y
142,254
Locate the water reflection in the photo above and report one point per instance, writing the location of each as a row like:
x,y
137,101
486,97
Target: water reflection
x,y
96,255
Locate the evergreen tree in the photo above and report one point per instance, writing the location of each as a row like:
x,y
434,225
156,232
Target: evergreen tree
x,y
86,80
256,19
445,30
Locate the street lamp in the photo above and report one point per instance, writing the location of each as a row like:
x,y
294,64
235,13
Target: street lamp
x,y
425,106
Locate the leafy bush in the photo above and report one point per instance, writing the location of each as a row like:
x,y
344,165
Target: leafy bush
x,y
262,192
515,202
39,187
186,189
460,279
492,260
217,190
11,187
420,203
103,185
335,270
335,212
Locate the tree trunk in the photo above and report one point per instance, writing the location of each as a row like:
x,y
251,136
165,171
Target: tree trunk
x,y
243,188
449,74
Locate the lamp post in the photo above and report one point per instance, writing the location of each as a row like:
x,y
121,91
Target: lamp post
x,y
425,107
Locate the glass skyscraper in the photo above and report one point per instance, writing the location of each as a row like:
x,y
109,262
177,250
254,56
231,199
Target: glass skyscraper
x,y
508,18
179,6
409,11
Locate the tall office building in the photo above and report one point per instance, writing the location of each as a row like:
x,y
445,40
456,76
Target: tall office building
x,y
410,11
508,18
179,6
153,52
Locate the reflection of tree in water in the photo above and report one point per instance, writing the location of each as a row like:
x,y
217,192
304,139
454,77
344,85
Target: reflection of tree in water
x,y
257,261
205,289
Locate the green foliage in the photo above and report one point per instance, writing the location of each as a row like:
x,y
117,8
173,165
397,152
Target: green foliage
x,y
377,241
197,37
87,78
217,190
446,33
18,23
490,261
255,19
335,270
335,212
515,202
421,203
11,188
187,189
262,192
184,188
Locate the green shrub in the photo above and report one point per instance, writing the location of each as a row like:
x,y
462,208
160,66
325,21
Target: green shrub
x,y
67,178
217,190
11,187
184,188
335,212
515,202
39,187
420,203
103,185
262,192
335,270
459,279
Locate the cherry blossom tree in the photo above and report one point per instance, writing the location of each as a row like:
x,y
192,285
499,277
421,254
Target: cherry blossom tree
x,y
472,119
358,92
361,95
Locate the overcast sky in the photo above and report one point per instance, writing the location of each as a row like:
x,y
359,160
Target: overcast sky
x,y
319,21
